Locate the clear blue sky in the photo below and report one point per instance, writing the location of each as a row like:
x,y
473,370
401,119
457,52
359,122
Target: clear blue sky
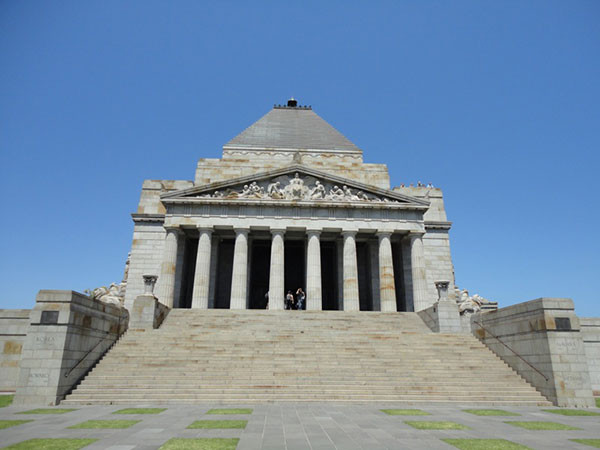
x,y
496,102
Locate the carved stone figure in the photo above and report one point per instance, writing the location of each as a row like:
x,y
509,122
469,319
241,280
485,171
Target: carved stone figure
x,y
274,190
348,194
318,192
295,190
336,193
468,304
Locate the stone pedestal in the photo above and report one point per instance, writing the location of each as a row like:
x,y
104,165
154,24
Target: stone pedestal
x,y
147,312
546,334
68,333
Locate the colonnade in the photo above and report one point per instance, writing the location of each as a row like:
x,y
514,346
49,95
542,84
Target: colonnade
x,y
239,284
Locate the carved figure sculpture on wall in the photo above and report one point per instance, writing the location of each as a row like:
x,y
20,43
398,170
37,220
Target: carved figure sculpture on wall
x,y
318,192
274,190
336,193
468,304
348,194
295,190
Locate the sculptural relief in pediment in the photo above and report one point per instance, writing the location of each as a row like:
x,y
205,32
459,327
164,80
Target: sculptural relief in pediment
x,y
298,188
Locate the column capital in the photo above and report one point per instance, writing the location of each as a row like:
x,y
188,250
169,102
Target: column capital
x,y
415,234
243,231
172,229
276,231
313,232
384,234
205,229
350,233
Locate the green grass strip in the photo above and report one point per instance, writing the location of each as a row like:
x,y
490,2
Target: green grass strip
x,y
533,425
571,412
485,444
200,444
106,424
140,411
51,444
490,412
48,411
598,402
230,411
590,442
405,412
441,425
12,423
6,400
214,424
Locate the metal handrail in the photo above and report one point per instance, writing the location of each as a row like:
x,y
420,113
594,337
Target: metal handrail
x,y
516,354
106,333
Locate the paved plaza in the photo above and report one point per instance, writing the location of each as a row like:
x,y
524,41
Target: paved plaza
x,y
302,426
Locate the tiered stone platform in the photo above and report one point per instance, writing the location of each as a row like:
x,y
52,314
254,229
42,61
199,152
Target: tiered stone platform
x,y
256,356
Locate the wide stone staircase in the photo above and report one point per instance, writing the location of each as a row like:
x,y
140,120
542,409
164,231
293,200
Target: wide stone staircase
x,y
257,356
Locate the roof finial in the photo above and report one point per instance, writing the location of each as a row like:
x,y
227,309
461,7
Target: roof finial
x,y
292,102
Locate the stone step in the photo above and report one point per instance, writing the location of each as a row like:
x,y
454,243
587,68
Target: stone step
x,y
257,356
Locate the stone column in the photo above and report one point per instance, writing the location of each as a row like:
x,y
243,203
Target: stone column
x,y
419,280
387,286
240,270
202,274
167,268
277,272
314,300
351,299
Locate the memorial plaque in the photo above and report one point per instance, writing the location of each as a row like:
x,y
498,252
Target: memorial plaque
x,y
49,317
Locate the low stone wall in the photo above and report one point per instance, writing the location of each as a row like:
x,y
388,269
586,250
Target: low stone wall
x,y
67,334
546,334
13,329
590,331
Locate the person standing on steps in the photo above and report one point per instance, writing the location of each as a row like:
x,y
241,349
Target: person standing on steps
x,y
300,296
289,300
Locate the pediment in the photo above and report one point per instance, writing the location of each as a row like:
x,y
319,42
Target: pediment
x,y
295,183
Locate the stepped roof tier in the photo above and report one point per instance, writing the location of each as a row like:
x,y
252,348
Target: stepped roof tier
x,y
291,128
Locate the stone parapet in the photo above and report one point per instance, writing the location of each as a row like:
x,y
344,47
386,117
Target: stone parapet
x,y
67,334
442,317
147,313
13,323
546,336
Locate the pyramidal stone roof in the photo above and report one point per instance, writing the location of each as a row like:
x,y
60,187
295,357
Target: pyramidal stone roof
x,y
291,128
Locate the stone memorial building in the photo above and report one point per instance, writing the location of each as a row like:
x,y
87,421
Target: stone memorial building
x,y
291,204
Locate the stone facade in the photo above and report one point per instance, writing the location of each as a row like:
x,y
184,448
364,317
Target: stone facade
x,y
290,194
14,324
590,333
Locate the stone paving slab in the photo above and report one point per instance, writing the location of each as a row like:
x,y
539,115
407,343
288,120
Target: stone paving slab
x,y
295,426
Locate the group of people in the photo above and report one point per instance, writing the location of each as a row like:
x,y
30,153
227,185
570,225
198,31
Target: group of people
x,y
292,301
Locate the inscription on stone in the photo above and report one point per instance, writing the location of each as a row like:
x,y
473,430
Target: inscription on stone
x,y
49,317
38,378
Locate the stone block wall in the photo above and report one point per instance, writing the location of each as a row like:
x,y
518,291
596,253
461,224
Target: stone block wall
x,y
442,317
438,262
239,163
546,334
13,330
67,334
146,256
590,331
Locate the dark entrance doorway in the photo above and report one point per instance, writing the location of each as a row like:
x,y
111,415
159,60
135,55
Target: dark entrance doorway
x,y
260,267
294,264
224,273
189,268
399,277
329,276
364,276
